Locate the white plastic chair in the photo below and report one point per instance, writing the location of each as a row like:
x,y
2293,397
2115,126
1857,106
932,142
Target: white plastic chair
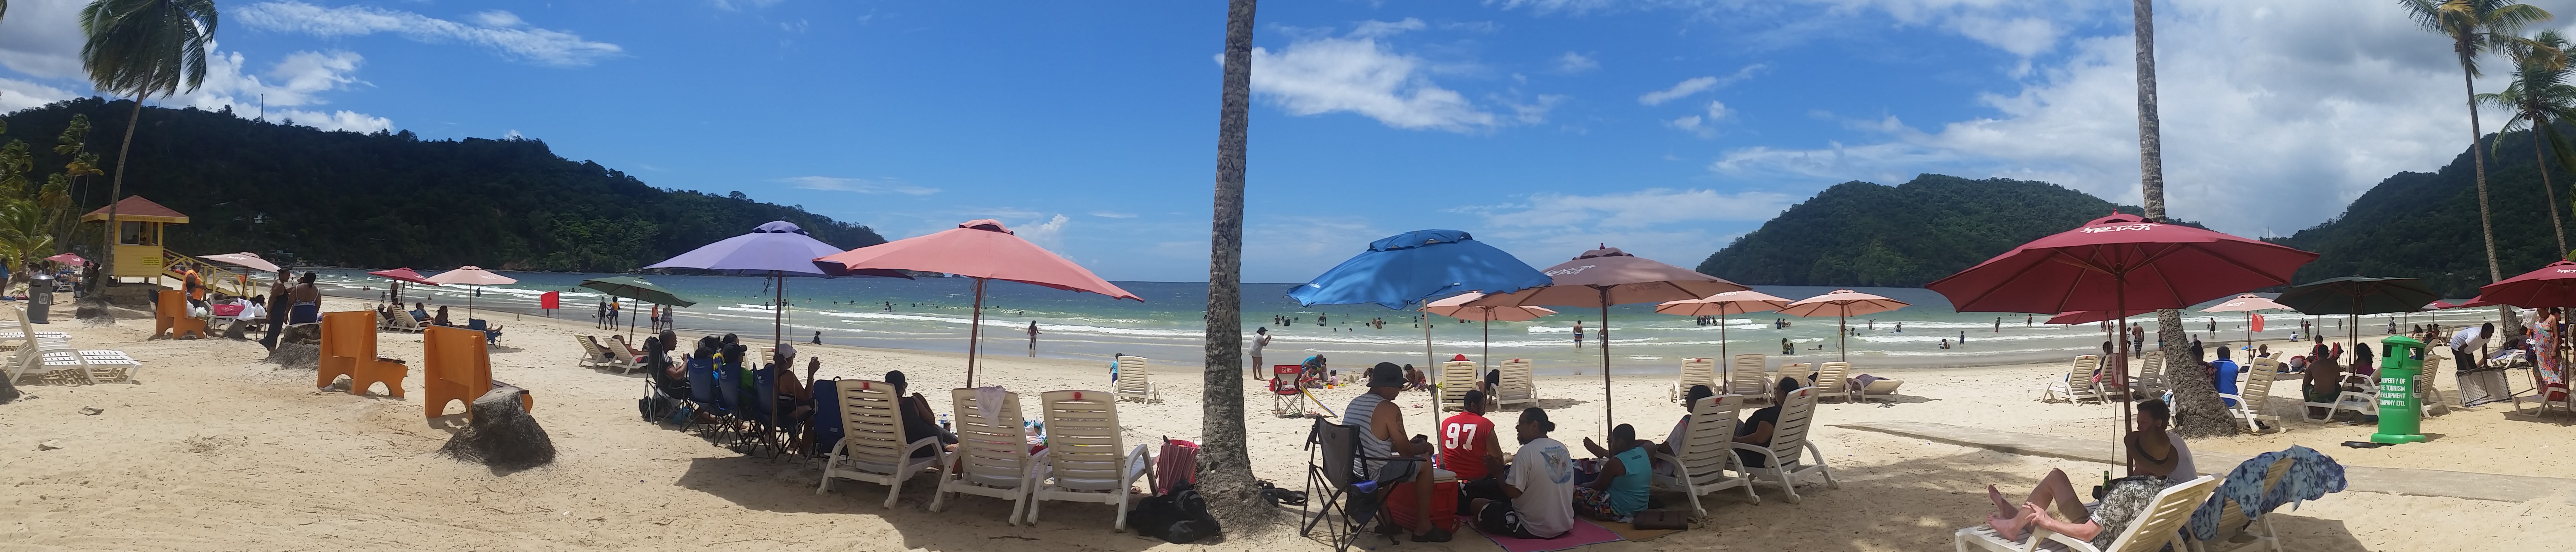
x,y
1456,379
1516,385
2153,529
1783,462
1833,379
2253,394
1705,461
1135,382
873,447
992,454
1749,376
1695,371
2078,386
1084,459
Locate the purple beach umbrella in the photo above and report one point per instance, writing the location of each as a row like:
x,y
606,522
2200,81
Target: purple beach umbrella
x,y
777,249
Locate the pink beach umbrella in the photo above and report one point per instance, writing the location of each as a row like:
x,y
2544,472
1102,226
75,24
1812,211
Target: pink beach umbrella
x,y
2247,303
1842,304
1720,305
470,275
399,276
981,249
1457,307
1607,276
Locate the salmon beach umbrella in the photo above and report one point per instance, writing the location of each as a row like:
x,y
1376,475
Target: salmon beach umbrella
x,y
470,275
2247,303
1607,276
981,249
1456,307
1720,305
1842,304
69,259
399,276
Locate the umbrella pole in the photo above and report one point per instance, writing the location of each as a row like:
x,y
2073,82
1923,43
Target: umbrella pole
x,y
2120,374
1605,362
975,332
778,312
1488,355
1728,361
1842,331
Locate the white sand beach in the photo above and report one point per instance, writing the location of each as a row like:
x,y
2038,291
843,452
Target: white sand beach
x,y
214,450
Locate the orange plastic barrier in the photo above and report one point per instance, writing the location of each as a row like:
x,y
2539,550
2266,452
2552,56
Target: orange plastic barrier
x,y
349,349
457,367
170,315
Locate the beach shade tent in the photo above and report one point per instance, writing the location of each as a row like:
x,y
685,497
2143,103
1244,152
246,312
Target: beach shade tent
x,y
399,276
1842,304
1720,305
637,288
69,259
470,275
2120,263
1455,307
1607,276
1408,269
981,249
776,249
2248,303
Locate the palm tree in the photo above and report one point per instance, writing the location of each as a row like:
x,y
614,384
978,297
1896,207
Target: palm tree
x,y
141,49
2474,26
1226,459
2539,98
2197,410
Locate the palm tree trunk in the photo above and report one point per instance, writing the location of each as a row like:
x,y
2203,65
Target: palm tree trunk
x,y
1225,460
2196,409
2486,219
2542,161
116,188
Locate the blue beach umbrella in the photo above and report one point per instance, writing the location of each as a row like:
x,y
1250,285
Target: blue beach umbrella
x,y
1407,270
777,249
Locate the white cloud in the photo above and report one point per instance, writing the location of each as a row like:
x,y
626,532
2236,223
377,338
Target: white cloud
x,y
1049,234
498,30
1571,63
17,94
1688,87
42,40
1654,223
1357,73
336,120
513,134
1703,125
2273,115
860,185
1112,214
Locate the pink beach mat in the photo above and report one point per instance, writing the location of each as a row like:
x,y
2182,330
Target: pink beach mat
x,y
1584,533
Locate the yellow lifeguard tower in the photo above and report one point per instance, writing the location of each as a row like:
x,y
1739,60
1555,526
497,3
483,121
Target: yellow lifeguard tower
x,y
140,224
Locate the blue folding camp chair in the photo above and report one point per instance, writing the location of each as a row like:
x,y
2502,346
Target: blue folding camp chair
x,y
825,426
703,391
490,336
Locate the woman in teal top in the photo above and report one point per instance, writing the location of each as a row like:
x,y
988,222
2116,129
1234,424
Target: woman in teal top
x,y
1619,491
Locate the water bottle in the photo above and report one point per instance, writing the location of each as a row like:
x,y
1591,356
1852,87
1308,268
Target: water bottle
x,y
943,421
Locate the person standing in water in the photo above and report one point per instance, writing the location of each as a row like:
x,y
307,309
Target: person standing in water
x,y
1578,334
1033,335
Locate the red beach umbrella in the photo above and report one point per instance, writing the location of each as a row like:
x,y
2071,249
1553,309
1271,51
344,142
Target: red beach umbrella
x,y
399,275
984,250
2088,317
1842,304
1607,276
2551,286
2120,263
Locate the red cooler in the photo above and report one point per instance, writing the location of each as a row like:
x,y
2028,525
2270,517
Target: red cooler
x,y
1444,503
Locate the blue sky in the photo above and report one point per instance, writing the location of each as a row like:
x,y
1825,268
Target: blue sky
x,y
1543,126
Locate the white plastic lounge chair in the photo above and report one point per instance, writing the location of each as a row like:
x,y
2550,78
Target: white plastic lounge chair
x,y
592,354
1456,379
621,357
1881,387
2150,378
1706,461
992,454
1087,456
1833,379
1782,461
2365,401
1135,382
2234,531
49,357
2078,386
2253,394
1695,371
873,447
1516,385
2429,395
1749,377
2160,525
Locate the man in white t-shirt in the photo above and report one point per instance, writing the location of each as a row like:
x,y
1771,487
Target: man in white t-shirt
x,y
1540,484
2469,346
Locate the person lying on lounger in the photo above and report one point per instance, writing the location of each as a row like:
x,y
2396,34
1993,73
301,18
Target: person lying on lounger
x,y
2121,504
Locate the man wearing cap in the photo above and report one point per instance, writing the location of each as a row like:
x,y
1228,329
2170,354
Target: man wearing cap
x,y
1382,435
1539,491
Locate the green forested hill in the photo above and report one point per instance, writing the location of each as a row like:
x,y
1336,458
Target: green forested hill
x,y
391,199
1864,234
2425,225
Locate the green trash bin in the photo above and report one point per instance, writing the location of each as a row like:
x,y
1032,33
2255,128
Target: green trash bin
x,y
2399,413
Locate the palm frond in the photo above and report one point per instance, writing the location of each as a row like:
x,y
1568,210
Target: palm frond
x,y
146,48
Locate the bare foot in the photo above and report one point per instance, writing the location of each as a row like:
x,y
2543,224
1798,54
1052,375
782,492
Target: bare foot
x,y
2002,507
2010,527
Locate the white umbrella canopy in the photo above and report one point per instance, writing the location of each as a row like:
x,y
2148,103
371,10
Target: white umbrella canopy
x,y
1842,304
470,275
246,259
1607,276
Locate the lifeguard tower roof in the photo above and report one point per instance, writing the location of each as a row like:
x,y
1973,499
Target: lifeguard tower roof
x,y
135,208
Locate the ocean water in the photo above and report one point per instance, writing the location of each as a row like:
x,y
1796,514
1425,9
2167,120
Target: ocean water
x,y
934,314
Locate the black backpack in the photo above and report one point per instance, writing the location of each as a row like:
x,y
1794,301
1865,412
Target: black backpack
x,y
1180,516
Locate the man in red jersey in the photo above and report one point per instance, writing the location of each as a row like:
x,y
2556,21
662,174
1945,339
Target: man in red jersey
x,y
1468,448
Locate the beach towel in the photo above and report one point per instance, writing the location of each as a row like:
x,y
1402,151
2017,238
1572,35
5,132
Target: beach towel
x,y
988,401
2311,475
1583,533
